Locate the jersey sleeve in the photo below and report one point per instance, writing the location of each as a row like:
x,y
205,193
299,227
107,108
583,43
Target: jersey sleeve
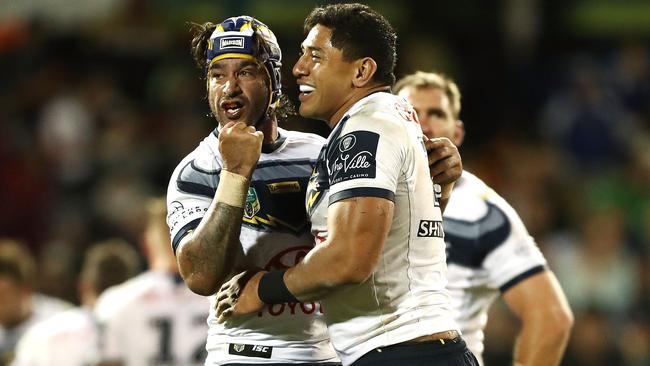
x,y
189,195
367,158
518,257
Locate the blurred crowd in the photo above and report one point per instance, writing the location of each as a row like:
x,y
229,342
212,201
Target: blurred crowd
x,y
98,107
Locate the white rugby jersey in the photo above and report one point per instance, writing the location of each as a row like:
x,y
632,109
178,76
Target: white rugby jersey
x,y
43,307
152,319
274,235
66,339
377,150
489,251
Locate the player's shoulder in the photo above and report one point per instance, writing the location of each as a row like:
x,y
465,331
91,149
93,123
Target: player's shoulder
x,y
71,320
45,306
472,187
469,182
77,317
300,145
299,137
205,158
123,296
470,200
383,113
473,202
381,106
198,170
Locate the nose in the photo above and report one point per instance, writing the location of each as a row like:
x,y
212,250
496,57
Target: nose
x,y
299,69
231,86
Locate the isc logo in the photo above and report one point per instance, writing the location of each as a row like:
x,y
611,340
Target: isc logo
x,y
258,348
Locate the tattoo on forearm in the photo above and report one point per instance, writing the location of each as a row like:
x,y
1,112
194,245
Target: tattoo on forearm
x,y
216,242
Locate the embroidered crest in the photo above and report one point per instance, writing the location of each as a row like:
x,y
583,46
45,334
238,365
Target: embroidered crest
x,y
252,203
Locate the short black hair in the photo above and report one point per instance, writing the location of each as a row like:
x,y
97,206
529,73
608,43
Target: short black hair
x,y
359,31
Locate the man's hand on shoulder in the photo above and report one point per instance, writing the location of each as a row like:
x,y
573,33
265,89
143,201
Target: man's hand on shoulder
x,y
445,164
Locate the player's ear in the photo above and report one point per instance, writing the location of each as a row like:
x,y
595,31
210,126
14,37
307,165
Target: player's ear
x,y
365,69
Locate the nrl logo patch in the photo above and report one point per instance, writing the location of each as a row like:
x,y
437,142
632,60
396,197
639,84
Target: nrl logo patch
x,y
252,203
231,42
238,347
347,143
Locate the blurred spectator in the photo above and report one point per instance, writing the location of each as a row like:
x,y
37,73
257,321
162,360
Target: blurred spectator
x,y
20,306
587,121
65,133
595,268
71,337
634,341
592,343
631,77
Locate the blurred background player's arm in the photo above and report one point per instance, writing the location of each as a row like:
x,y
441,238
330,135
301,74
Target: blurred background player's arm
x,y
546,320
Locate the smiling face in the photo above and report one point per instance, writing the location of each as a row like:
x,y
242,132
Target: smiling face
x,y
324,77
238,91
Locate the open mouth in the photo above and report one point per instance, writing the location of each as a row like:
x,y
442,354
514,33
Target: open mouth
x,y
232,108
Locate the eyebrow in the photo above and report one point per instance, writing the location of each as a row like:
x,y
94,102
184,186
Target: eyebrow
x,y
311,48
245,63
435,110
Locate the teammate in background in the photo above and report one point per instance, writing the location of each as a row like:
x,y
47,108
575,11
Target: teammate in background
x,y
490,252
152,319
227,216
70,338
20,306
379,266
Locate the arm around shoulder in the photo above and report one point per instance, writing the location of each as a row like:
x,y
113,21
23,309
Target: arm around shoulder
x,y
358,228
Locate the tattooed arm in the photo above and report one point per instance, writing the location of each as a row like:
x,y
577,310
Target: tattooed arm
x,y
206,255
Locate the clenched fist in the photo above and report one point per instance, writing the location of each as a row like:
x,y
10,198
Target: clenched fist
x,y
240,147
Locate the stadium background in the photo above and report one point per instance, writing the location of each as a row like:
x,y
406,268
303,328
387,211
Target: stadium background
x,y
99,100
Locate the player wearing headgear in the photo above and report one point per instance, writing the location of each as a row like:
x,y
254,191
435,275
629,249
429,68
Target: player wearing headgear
x,y
223,220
